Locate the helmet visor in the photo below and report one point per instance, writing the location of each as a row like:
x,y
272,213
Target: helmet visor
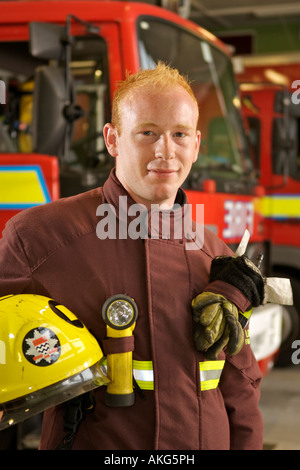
x,y
20,409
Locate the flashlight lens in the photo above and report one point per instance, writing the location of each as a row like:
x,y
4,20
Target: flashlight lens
x,y
120,313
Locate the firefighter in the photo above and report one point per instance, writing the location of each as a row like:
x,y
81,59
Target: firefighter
x,y
76,251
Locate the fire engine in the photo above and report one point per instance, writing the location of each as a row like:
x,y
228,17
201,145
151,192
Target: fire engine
x,y
273,114
60,62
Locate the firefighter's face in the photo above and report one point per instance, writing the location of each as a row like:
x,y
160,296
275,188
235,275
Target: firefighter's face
x,y
157,144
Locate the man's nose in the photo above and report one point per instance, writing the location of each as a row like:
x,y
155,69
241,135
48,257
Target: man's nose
x,y
165,147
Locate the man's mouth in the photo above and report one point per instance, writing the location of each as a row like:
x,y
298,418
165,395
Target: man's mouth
x,y
162,172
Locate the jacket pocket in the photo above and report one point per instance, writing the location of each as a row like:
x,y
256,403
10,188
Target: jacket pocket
x,y
245,361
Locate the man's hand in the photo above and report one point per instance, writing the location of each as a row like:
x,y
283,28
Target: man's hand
x,y
240,272
219,323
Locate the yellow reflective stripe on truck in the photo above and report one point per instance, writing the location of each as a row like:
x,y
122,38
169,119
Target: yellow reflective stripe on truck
x,y
22,186
210,373
280,206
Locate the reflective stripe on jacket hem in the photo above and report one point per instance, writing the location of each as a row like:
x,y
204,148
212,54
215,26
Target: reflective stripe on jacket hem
x,y
210,373
143,374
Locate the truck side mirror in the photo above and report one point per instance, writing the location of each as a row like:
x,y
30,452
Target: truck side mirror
x,y
54,108
284,146
49,125
46,40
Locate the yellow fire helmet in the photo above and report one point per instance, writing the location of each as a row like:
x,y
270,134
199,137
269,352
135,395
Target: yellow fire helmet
x,y
47,356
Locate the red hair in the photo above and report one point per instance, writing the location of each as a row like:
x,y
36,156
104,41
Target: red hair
x,y
162,78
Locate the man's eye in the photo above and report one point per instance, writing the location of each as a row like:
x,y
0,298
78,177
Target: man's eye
x,y
179,134
147,132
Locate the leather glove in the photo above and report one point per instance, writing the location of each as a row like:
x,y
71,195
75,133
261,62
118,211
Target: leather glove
x,y
240,272
217,325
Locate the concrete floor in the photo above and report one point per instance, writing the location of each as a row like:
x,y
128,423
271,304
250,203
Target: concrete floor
x,y
280,407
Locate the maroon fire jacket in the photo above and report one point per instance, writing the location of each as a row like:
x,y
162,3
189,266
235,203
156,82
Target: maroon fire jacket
x,y
55,250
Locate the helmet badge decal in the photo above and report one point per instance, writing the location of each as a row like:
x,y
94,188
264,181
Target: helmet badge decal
x,y
41,347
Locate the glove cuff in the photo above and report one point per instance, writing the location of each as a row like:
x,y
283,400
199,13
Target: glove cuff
x,y
241,273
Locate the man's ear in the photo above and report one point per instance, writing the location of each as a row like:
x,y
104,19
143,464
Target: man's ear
x,y
197,145
110,135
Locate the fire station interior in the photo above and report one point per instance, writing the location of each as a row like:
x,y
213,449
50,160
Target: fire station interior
x,y
263,37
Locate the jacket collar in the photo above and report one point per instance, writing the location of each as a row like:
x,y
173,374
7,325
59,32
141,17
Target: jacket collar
x,y
175,224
